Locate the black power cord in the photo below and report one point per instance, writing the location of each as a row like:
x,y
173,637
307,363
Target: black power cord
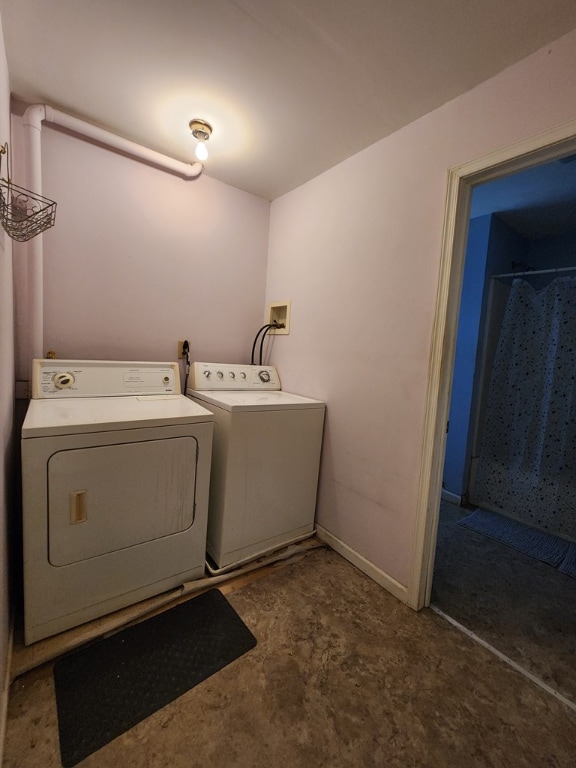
x,y
186,351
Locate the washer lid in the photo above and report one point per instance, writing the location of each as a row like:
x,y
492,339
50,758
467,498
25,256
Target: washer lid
x,y
251,400
70,416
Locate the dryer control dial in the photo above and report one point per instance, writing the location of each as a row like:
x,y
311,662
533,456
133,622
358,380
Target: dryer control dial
x,y
63,380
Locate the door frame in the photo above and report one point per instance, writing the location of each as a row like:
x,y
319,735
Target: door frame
x,y
535,150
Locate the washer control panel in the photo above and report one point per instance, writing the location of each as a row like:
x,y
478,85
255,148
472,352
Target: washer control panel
x,y
211,376
102,378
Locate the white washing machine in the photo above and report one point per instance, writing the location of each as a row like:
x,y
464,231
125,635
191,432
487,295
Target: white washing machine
x,y
115,478
265,461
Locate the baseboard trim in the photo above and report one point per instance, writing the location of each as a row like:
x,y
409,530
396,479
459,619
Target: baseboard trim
x,y
453,498
6,690
383,579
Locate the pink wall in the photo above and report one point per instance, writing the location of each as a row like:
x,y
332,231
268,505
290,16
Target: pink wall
x,y
6,384
139,258
357,250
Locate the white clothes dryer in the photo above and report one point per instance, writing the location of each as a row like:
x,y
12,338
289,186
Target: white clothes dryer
x,y
265,461
115,479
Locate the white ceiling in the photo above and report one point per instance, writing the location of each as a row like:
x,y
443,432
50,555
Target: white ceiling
x,y
291,87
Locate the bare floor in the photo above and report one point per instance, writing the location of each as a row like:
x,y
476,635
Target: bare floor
x,y
343,676
521,606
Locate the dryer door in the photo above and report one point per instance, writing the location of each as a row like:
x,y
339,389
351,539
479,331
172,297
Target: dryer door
x,y
106,498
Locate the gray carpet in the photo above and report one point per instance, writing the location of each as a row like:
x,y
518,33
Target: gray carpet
x,y
534,542
523,607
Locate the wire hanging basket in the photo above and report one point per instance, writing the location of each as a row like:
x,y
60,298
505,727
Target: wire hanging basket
x,y
23,214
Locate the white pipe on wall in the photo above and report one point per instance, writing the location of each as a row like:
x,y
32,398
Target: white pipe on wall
x,y
32,128
99,135
33,118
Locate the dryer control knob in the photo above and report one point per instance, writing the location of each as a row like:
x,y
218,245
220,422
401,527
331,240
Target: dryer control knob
x,y
220,374
207,374
63,380
264,376
243,375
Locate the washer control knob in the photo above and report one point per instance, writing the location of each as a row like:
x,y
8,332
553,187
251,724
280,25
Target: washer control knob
x,y
232,375
207,374
242,375
264,376
63,380
220,374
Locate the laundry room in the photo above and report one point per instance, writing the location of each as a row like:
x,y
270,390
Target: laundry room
x,y
140,258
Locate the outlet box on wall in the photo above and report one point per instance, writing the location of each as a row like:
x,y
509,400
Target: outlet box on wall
x,y
279,311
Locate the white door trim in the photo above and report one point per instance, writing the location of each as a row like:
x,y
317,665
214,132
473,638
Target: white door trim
x,y
544,147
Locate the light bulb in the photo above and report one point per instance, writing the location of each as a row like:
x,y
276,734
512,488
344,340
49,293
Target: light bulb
x,y
201,151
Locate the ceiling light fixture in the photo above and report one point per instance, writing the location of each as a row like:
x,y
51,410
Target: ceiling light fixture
x,y
201,130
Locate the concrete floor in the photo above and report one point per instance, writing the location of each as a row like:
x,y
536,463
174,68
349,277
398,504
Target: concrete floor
x,y
343,676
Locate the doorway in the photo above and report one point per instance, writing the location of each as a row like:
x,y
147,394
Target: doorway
x,y
518,605
557,143
521,226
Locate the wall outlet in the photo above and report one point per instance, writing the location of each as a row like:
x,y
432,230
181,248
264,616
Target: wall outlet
x,y
279,311
181,353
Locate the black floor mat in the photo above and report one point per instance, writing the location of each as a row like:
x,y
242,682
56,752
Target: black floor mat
x,y
107,688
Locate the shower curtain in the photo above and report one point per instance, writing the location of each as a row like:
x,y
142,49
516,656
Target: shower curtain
x,y
527,458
